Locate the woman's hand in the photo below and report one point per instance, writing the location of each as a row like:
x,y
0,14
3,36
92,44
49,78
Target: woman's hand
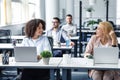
x,y
113,37
88,55
38,57
72,43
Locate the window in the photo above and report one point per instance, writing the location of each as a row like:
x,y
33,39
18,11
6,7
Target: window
x,y
118,13
31,10
16,12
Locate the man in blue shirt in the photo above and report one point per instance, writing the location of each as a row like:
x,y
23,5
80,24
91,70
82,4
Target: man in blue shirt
x,y
58,35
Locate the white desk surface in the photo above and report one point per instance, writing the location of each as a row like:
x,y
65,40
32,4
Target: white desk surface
x,y
7,45
17,37
86,31
63,47
74,38
10,46
86,64
58,62
21,37
54,62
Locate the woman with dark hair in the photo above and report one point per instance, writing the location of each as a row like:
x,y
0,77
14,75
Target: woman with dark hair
x,y
34,37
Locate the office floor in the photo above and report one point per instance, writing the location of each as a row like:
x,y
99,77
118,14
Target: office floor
x,y
79,76
76,75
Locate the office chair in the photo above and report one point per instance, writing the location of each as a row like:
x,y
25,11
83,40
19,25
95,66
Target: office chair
x,y
56,70
23,30
51,42
5,37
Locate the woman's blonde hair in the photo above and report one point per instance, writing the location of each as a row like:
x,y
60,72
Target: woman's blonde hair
x,y
106,27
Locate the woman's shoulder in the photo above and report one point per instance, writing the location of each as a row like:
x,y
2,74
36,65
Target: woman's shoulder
x,y
93,36
44,37
26,38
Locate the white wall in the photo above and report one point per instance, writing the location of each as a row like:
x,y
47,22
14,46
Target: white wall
x,y
99,13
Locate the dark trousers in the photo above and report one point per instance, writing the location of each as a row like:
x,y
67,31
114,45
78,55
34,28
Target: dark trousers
x,y
57,53
35,74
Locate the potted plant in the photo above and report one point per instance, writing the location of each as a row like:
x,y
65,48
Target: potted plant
x,y
91,24
46,56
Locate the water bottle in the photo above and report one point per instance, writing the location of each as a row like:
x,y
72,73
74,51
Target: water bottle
x,y
67,43
5,58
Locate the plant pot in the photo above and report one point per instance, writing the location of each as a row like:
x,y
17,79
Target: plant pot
x,y
88,14
91,27
46,61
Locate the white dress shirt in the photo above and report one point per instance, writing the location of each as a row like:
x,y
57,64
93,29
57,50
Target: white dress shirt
x,y
57,35
42,43
70,29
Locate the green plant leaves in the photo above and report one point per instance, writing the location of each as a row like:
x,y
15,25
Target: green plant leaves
x,y
46,54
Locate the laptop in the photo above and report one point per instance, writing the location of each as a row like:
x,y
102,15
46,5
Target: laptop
x,y
25,54
106,56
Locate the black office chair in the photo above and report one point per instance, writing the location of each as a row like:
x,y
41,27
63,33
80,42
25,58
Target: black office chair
x,y
57,70
5,37
23,30
51,42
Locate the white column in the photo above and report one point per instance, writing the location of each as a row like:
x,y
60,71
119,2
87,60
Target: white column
x,y
40,9
70,7
52,10
6,14
0,12
25,10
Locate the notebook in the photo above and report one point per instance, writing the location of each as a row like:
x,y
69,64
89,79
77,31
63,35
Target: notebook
x,y
25,54
106,55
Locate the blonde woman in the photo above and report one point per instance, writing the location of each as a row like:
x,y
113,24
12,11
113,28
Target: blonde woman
x,y
104,37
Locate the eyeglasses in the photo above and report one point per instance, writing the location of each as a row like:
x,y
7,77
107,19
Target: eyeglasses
x,y
54,22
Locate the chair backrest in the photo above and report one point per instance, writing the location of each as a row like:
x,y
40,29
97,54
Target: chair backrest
x,y
23,30
51,42
5,36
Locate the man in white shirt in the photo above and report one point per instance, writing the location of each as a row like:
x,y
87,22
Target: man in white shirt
x,y
69,27
58,35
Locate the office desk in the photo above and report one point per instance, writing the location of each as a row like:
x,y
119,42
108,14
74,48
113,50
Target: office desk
x,y
53,64
7,45
63,47
75,39
18,38
10,46
77,63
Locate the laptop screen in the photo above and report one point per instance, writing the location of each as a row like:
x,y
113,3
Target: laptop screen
x,y
25,54
106,55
